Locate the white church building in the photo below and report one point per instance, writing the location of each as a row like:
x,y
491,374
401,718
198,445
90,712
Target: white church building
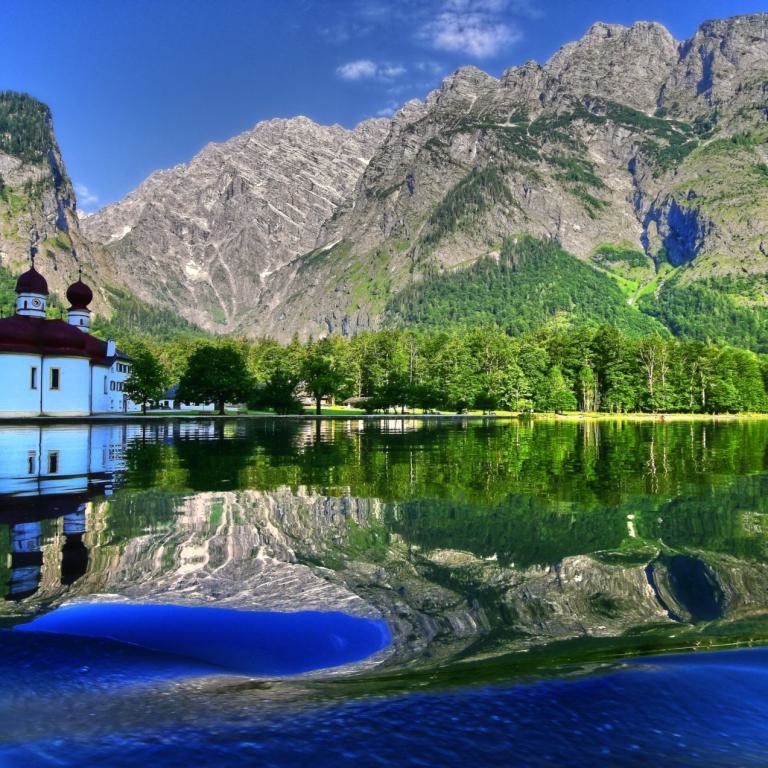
x,y
56,367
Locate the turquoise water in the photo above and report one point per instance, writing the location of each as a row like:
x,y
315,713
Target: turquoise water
x,y
391,592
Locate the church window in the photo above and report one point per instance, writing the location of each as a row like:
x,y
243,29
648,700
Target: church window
x,y
53,462
33,377
31,461
105,385
55,378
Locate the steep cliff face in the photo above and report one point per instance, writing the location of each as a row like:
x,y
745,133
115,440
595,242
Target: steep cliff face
x,y
37,201
625,142
206,237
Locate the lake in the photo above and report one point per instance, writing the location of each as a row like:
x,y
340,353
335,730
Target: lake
x,y
392,592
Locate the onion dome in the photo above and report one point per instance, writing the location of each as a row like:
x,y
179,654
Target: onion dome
x,y
32,282
79,295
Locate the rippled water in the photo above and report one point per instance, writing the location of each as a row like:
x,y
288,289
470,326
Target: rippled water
x,y
516,565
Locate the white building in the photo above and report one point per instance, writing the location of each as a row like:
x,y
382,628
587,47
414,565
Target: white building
x,y
170,402
56,367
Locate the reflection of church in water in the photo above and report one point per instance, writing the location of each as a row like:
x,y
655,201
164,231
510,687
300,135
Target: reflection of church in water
x,y
48,476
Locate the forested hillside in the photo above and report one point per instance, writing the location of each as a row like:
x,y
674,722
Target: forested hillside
x,y
534,283
530,284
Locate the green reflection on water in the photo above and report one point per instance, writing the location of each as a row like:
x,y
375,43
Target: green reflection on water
x,y
571,542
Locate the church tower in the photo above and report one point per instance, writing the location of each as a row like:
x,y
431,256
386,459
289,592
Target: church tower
x,y
79,296
32,291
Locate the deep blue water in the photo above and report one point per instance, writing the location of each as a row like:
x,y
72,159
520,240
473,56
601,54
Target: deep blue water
x,y
240,642
692,709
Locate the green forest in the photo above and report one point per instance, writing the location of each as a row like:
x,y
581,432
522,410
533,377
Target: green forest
x,y
480,369
25,130
534,283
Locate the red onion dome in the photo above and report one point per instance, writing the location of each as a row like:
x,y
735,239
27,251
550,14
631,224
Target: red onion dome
x,y
79,295
32,282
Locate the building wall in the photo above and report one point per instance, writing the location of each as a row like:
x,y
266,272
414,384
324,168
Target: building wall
x,y
73,398
100,400
119,373
17,398
81,386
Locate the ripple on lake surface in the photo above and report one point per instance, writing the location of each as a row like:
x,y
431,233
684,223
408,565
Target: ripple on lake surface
x,y
692,709
240,642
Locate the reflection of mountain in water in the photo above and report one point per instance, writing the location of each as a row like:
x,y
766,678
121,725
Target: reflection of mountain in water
x,y
506,533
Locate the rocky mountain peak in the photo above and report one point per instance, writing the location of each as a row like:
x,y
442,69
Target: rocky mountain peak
x,y
462,87
210,233
723,59
624,64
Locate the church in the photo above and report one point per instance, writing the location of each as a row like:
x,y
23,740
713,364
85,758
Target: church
x,y
56,367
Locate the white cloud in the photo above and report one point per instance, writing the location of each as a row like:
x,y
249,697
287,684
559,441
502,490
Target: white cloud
x,y
391,70
85,197
478,28
365,69
429,67
362,69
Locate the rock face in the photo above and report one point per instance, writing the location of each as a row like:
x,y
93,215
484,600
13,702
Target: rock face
x,y
625,138
206,237
37,201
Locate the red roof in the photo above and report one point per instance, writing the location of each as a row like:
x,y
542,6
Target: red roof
x,y
32,282
40,336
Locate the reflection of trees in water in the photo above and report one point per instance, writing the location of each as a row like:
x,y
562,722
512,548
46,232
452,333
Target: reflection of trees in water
x,y
528,493
529,530
480,463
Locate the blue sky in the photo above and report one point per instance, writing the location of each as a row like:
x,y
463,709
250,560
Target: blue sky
x,y
137,85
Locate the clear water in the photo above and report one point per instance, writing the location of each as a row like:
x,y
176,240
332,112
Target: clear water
x,y
528,576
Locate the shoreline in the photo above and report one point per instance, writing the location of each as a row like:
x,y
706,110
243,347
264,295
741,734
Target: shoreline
x,y
124,418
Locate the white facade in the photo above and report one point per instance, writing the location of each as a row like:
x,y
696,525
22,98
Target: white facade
x,y
42,385
52,368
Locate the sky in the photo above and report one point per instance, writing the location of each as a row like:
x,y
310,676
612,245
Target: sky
x,y
138,85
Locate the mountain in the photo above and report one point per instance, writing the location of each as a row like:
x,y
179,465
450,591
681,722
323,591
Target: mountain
x,y
644,157
37,201
205,238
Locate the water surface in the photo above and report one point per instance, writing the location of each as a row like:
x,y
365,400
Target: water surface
x,y
514,565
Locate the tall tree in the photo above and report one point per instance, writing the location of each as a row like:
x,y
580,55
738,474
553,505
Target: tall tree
x,y
324,370
148,379
215,374
557,396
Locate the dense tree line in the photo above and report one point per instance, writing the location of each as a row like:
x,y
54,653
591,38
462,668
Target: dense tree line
x,y
485,369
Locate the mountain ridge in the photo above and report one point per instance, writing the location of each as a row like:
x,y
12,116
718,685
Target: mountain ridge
x,y
626,139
